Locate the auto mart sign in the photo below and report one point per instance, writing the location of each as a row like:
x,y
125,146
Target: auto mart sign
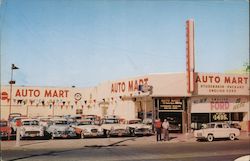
x,y
221,84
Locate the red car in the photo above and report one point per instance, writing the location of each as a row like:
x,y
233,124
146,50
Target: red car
x,y
5,130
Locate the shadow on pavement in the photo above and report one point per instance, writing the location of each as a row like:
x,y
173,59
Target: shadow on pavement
x,y
111,145
54,153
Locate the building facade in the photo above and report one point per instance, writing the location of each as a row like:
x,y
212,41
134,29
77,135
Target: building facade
x,y
216,97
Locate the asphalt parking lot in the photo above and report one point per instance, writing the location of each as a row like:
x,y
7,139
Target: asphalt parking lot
x,y
95,142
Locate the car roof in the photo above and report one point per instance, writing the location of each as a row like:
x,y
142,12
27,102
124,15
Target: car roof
x,y
29,119
58,119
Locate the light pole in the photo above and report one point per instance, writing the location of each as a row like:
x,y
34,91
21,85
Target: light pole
x,y
13,67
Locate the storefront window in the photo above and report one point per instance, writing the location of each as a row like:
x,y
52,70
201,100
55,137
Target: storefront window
x,y
237,116
198,119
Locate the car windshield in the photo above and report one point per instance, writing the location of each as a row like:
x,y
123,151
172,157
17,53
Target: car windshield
x,y
61,122
3,123
209,126
85,123
111,121
27,123
135,122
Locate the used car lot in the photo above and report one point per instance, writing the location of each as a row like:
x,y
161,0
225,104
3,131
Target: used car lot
x,y
92,126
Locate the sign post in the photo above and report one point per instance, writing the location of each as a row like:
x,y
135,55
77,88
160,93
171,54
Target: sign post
x,y
18,124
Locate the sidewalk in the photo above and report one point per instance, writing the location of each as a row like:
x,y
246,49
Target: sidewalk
x,y
101,142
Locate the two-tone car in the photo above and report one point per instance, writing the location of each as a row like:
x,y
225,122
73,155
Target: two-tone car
x,y
112,127
60,128
87,128
137,127
31,128
216,130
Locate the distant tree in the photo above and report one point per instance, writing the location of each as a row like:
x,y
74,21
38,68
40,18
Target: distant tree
x,y
247,67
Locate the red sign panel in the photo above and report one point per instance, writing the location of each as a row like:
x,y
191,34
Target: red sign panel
x,y
4,96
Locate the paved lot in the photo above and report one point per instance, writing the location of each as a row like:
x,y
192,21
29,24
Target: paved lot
x,y
100,142
127,149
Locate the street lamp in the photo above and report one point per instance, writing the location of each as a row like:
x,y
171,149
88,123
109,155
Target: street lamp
x,y
11,82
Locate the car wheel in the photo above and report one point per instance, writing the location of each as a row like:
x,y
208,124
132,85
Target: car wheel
x,y
231,136
108,134
52,137
82,135
210,137
133,133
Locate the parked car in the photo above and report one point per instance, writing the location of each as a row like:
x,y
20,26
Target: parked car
x,y
5,129
216,130
45,122
13,115
137,127
13,123
112,127
73,118
87,128
31,128
94,118
60,128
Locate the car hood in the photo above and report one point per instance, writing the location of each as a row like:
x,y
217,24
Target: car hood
x,y
60,127
113,126
31,128
139,126
88,127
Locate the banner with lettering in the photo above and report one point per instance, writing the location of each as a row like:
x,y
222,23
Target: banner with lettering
x,y
221,84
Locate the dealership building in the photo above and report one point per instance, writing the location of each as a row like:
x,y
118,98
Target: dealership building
x,y
186,99
215,97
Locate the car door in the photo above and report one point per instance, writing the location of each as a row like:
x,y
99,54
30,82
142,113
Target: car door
x,y
219,131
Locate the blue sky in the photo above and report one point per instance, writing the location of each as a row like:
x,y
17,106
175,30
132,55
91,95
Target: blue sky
x,y
86,42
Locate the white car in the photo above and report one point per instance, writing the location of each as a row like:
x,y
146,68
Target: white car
x,y
31,128
112,127
45,122
136,127
87,128
216,130
60,128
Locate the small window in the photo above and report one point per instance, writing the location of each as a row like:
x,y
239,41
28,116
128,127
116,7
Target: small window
x,y
219,126
225,126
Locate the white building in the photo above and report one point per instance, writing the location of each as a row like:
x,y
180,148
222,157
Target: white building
x,y
216,97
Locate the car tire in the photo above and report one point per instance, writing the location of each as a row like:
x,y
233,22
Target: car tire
x,y
133,133
82,135
108,134
231,136
210,138
52,137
